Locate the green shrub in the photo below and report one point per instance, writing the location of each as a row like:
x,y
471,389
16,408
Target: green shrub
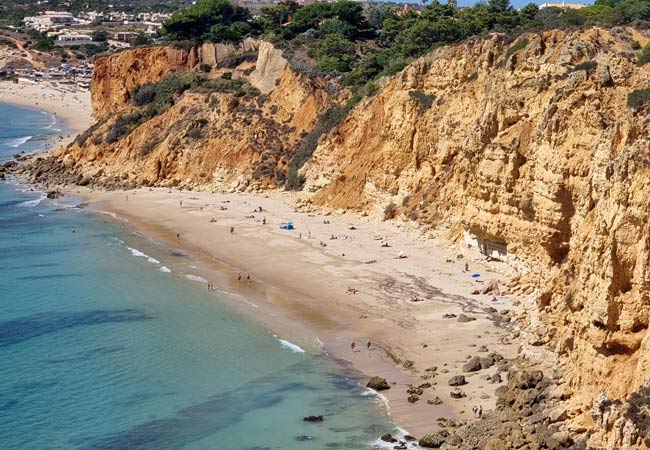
x,y
205,68
123,126
638,98
424,100
644,56
519,45
635,45
390,211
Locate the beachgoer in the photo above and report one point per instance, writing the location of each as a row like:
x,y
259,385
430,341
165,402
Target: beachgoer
x,y
368,344
178,236
181,203
353,345
466,267
264,221
475,410
248,278
239,277
480,411
232,230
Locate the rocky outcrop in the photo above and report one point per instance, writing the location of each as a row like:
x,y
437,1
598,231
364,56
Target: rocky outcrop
x,y
529,154
116,76
207,139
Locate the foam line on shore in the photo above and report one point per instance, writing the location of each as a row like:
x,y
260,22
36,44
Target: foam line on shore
x,y
290,345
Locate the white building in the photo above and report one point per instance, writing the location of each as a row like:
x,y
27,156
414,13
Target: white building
x,y
48,20
74,39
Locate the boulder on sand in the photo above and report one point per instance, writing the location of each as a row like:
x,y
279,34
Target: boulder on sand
x,y
462,318
473,365
433,440
457,380
378,384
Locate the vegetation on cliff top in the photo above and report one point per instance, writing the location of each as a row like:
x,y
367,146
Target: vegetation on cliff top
x,y
366,42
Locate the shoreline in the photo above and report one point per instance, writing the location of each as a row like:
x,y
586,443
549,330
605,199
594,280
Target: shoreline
x,y
312,301
72,108
295,308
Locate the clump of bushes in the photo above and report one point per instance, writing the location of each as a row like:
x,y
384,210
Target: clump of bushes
x,y
424,100
644,56
123,126
390,211
638,98
205,68
519,45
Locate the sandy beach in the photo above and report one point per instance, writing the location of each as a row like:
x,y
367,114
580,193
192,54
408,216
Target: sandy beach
x,y
331,281
71,106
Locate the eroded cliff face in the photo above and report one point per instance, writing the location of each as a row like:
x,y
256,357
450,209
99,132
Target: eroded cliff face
x,y
206,139
528,151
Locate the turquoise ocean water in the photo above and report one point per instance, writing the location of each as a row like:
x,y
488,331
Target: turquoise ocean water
x,y
103,348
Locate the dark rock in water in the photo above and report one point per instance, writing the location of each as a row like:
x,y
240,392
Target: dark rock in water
x,y
388,438
434,440
303,438
54,194
409,438
472,365
457,380
462,318
313,419
378,384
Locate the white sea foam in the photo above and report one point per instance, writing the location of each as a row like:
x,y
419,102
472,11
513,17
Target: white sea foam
x,y
381,397
196,278
32,203
13,143
138,253
114,216
41,215
399,434
291,346
164,269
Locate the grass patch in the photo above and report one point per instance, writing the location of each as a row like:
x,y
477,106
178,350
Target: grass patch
x,y
638,98
520,44
644,57
424,100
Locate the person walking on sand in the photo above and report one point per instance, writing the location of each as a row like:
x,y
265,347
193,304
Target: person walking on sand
x,y
248,278
475,410
232,230
479,411
239,278
353,346
466,267
181,203
178,236
368,344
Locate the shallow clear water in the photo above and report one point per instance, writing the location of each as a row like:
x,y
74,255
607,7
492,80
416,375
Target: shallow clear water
x,y
101,349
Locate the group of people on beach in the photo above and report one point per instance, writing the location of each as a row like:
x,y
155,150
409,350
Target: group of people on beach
x,y
353,345
478,411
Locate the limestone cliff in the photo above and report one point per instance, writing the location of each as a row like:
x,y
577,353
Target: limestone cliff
x,y
206,139
529,148
524,148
